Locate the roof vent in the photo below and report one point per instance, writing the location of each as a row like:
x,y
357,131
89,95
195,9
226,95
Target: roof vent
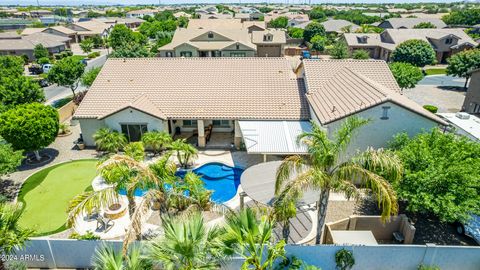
x,y
462,115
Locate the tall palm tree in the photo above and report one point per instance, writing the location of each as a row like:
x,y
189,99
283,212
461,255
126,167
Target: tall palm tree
x,y
107,258
110,141
185,151
187,244
251,238
283,211
11,234
325,168
156,140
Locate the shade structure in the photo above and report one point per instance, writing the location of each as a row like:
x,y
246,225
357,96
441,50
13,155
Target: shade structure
x,y
354,238
258,182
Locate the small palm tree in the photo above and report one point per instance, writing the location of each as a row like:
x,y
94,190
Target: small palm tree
x,y
185,152
325,169
11,234
156,140
135,150
251,238
106,258
187,244
110,141
283,211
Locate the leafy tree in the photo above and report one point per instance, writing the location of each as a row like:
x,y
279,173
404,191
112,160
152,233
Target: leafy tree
x,y
295,32
339,50
182,22
156,140
20,90
356,16
110,141
367,28
44,60
9,159
416,52
424,25
326,168
441,174
11,234
29,127
318,14
469,16
89,77
86,45
131,51
280,22
406,75
135,150
163,38
360,54
11,66
107,258
185,152
187,244
121,36
283,211
250,237
460,64
67,72
39,51
317,43
313,29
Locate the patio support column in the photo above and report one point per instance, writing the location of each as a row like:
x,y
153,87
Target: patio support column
x,y
201,133
237,140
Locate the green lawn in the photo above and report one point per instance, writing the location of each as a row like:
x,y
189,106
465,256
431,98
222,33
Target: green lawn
x,y
46,194
78,57
436,71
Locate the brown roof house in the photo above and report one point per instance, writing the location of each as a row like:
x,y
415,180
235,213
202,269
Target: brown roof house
x,y
14,44
410,23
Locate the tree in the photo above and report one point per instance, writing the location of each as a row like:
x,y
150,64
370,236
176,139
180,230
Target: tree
x,y
283,211
250,237
11,66
131,51
424,25
135,150
339,50
313,29
295,32
441,174
468,16
406,75
460,64
40,52
326,168
110,141
185,152
414,51
20,90
29,127
318,14
120,36
107,258
280,22
367,28
317,43
11,234
156,140
86,45
9,159
89,77
67,72
187,244
360,54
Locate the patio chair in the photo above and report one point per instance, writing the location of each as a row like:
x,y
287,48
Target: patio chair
x,y
92,215
104,224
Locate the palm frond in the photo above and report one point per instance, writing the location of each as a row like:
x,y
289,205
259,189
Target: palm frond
x,y
347,130
384,162
289,166
106,258
88,201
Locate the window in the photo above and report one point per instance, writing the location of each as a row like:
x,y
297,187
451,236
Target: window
x,y
448,41
268,37
134,132
385,112
221,123
210,35
237,46
190,123
169,54
185,54
362,39
238,54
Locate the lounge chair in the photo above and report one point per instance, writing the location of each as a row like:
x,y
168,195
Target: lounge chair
x,y
104,224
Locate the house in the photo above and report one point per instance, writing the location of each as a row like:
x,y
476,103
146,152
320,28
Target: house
x,y
182,14
14,44
14,24
472,98
141,13
339,26
445,42
410,23
90,28
63,32
464,124
254,26
129,22
298,20
270,42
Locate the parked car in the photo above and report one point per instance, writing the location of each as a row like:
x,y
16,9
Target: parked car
x,y
84,61
35,69
46,68
470,228
43,82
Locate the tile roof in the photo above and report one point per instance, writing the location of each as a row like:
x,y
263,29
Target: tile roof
x,y
29,31
338,25
63,29
278,36
340,88
198,88
29,42
214,24
411,22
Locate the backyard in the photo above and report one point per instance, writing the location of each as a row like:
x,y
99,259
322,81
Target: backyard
x,y
45,194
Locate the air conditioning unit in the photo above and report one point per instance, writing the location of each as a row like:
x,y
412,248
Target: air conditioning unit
x,y
462,115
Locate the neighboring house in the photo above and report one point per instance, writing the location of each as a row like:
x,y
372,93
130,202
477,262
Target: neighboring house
x,y
270,43
290,15
464,124
339,26
129,22
445,42
14,24
90,28
472,98
182,14
14,44
216,16
40,13
254,25
62,31
409,23
141,13
297,20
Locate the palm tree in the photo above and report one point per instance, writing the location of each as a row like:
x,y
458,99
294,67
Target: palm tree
x,y
185,151
251,238
11,235
106,258
283,211
187,244
110,141
325,169
135,150
156,140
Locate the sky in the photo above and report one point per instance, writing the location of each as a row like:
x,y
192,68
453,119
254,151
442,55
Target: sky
x,y
133,2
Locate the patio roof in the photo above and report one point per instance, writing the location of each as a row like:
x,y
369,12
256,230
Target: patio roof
x,y
274,137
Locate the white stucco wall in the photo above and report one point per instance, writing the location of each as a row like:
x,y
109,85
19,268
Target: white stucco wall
x,y
132,116
88,128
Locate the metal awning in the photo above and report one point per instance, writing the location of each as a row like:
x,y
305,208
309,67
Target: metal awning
x,y
274,137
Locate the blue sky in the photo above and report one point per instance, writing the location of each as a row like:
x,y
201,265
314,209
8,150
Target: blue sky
x,y
132,2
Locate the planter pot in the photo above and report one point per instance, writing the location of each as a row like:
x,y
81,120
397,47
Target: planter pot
x,y
81,146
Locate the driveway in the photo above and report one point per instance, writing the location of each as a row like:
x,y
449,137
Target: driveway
x,y
445,92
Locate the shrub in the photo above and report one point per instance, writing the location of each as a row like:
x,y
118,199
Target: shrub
x,y
61,102
43,61
360,54
79,97
430,108
416,52
88,236
344,259
93,55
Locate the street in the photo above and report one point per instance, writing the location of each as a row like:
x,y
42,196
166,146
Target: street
x,y
55,92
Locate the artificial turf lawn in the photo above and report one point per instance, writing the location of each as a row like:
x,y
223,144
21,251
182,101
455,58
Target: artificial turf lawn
x,y
436,71
45,194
